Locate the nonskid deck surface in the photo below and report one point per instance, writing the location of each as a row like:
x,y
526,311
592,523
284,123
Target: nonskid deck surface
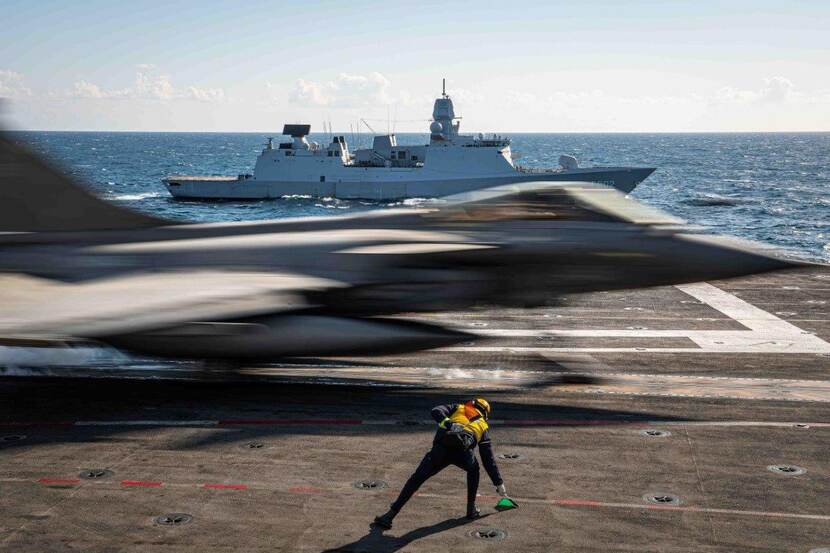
x,y
733,376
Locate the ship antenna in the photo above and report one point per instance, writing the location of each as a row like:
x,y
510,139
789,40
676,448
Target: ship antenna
x,y
368,126
444,88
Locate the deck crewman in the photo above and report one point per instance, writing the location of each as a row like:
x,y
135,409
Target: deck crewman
x,y
461,427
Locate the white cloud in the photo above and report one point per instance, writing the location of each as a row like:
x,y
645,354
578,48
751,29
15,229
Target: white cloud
x,y
307,92
205,94
775,90
147,86
345,91
83,89
776,104
12,86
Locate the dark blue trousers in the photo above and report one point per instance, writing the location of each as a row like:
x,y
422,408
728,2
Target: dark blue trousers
x,y
436,460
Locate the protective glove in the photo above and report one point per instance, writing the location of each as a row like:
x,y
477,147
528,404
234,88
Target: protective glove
x,y
443,424
501,490
456,428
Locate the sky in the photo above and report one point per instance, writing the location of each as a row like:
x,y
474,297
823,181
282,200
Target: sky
x,y
586,66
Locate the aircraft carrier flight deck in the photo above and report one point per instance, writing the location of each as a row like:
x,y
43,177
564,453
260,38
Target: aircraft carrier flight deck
x,y
679,419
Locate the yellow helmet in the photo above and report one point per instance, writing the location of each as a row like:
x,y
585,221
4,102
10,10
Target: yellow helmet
x,y
483,407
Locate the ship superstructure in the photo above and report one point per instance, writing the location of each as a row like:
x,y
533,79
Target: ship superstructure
x,y
449,164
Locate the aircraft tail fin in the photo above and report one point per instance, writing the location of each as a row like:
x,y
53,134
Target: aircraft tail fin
x,y
35,197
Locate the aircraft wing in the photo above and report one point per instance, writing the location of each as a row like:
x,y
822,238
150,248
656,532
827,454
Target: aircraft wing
x,y
565,201
36,197
39,309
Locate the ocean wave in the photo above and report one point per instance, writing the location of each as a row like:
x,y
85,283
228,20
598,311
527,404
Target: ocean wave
x,y
715,200
415,202
44,357
139,196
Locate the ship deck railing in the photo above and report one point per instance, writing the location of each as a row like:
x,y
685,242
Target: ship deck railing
x,y
537,170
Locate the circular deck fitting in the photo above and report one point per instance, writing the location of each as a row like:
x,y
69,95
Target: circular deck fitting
x,y
370,484
173,519
654,433
545,338
801,425
511,456
478,324
662,499
95,474
785,313
13,438
637,327
786,470
490,534
254,445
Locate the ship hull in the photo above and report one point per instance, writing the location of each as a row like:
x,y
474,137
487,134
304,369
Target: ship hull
x,y
624,179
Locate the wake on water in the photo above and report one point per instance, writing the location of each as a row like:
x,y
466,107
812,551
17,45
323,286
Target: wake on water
x,y
715,200
134,197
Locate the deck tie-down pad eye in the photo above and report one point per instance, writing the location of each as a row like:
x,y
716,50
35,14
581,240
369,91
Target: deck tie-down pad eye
x,y
173,519
489,534
370,484
95,474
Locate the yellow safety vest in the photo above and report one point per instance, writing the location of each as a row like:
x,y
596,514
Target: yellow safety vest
x,y
463,415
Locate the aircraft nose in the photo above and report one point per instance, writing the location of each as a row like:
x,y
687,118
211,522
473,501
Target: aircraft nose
x,y
728,257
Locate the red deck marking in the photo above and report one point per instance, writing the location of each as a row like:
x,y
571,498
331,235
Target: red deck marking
x,y
226,486
144,483
59,481
304,489
227,422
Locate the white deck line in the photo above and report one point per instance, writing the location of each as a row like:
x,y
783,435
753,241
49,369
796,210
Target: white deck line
x,y
766,333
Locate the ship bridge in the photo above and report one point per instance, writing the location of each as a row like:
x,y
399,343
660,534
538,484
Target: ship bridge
x,y
445,126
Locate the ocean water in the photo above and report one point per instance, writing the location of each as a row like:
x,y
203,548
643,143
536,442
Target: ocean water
x,y
773,187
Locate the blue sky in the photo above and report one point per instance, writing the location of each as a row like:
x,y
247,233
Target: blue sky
x,y
543,66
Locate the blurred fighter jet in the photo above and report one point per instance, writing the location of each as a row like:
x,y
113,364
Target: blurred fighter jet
x,y
73,267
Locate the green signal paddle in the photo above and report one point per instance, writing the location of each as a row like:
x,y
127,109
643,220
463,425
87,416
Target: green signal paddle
x,y
505,504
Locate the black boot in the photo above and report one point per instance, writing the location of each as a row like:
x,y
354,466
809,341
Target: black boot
x,y
472,511
385,520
